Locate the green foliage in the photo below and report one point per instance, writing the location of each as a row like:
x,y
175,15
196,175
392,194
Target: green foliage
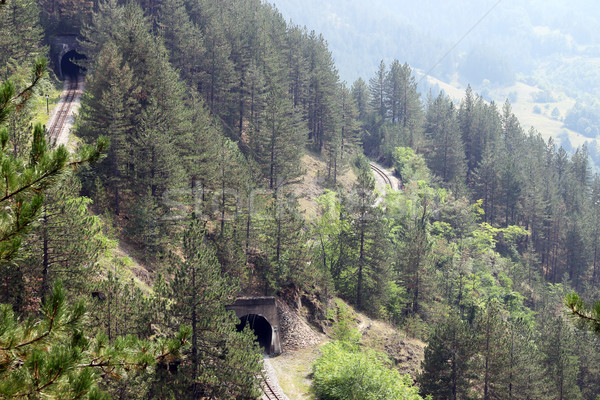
x,y
344,326
20,34
52,357
27,177
344,372
281,236
222,362
585,316
447,360
486,236
409,165
446,154
583,117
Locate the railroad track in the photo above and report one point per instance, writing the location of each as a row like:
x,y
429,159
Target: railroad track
x,y
269,391
62,114
385,177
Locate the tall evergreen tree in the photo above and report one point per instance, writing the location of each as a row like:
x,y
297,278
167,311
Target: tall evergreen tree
x,y
20,35
366,270
278,139
377,91
493,366
446,367
345,139
361,96
223,363
323,118
66,244
447,158
560,361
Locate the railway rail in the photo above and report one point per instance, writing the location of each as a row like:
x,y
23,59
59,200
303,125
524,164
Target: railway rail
x,y
385,177
269,391
60,119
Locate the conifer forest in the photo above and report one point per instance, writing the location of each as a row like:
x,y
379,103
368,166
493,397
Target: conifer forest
x,y
417,245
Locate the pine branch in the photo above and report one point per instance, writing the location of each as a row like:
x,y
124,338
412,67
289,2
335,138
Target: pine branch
x,y
574,309
40,388
45,175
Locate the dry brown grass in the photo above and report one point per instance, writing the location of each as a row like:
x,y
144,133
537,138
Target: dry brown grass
x,y
313,183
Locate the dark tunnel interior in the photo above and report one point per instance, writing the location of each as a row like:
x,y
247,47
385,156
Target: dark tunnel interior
x,y
260,326
68,64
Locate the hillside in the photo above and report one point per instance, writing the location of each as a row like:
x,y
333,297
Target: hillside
x,y
502,50
222,199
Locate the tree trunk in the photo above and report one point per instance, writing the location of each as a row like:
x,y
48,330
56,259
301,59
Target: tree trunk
x,y
360,266
45,261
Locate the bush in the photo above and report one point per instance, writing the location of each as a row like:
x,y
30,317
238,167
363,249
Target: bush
x,y
409,165
344,372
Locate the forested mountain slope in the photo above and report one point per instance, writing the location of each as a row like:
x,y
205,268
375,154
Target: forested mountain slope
x,y
210,107
543,56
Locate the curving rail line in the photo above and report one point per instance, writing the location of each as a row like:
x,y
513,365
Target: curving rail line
x,y
62,114
269,391
385,177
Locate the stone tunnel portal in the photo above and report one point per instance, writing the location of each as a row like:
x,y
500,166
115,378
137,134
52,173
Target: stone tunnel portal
x,y
262,316
69,64
261,327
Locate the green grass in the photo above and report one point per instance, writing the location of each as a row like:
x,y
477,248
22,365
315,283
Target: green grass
x,y
53,89
294,373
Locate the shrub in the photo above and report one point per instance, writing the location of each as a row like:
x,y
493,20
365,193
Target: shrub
x,y
344,372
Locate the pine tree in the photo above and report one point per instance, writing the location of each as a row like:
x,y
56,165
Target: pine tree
x,y
297,64
593,228
404,103
222,363
228,183
447,158
284,243
446,368
345,138
20,35
155,162
278,139
377,91
493,365
487,181
120,307
480,126
146,226
27,178
360,94
323,118
108,107
67,242
560,361
51,356
220,73
185,41
365,270
525,378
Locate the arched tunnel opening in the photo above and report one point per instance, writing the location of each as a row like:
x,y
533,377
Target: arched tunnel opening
x,y
69,64
261,327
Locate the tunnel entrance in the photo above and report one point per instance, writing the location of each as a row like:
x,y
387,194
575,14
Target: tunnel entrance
x,y
261,327
69,64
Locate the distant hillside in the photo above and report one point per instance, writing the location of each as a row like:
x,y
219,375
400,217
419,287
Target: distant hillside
x,y
523,36
542,56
